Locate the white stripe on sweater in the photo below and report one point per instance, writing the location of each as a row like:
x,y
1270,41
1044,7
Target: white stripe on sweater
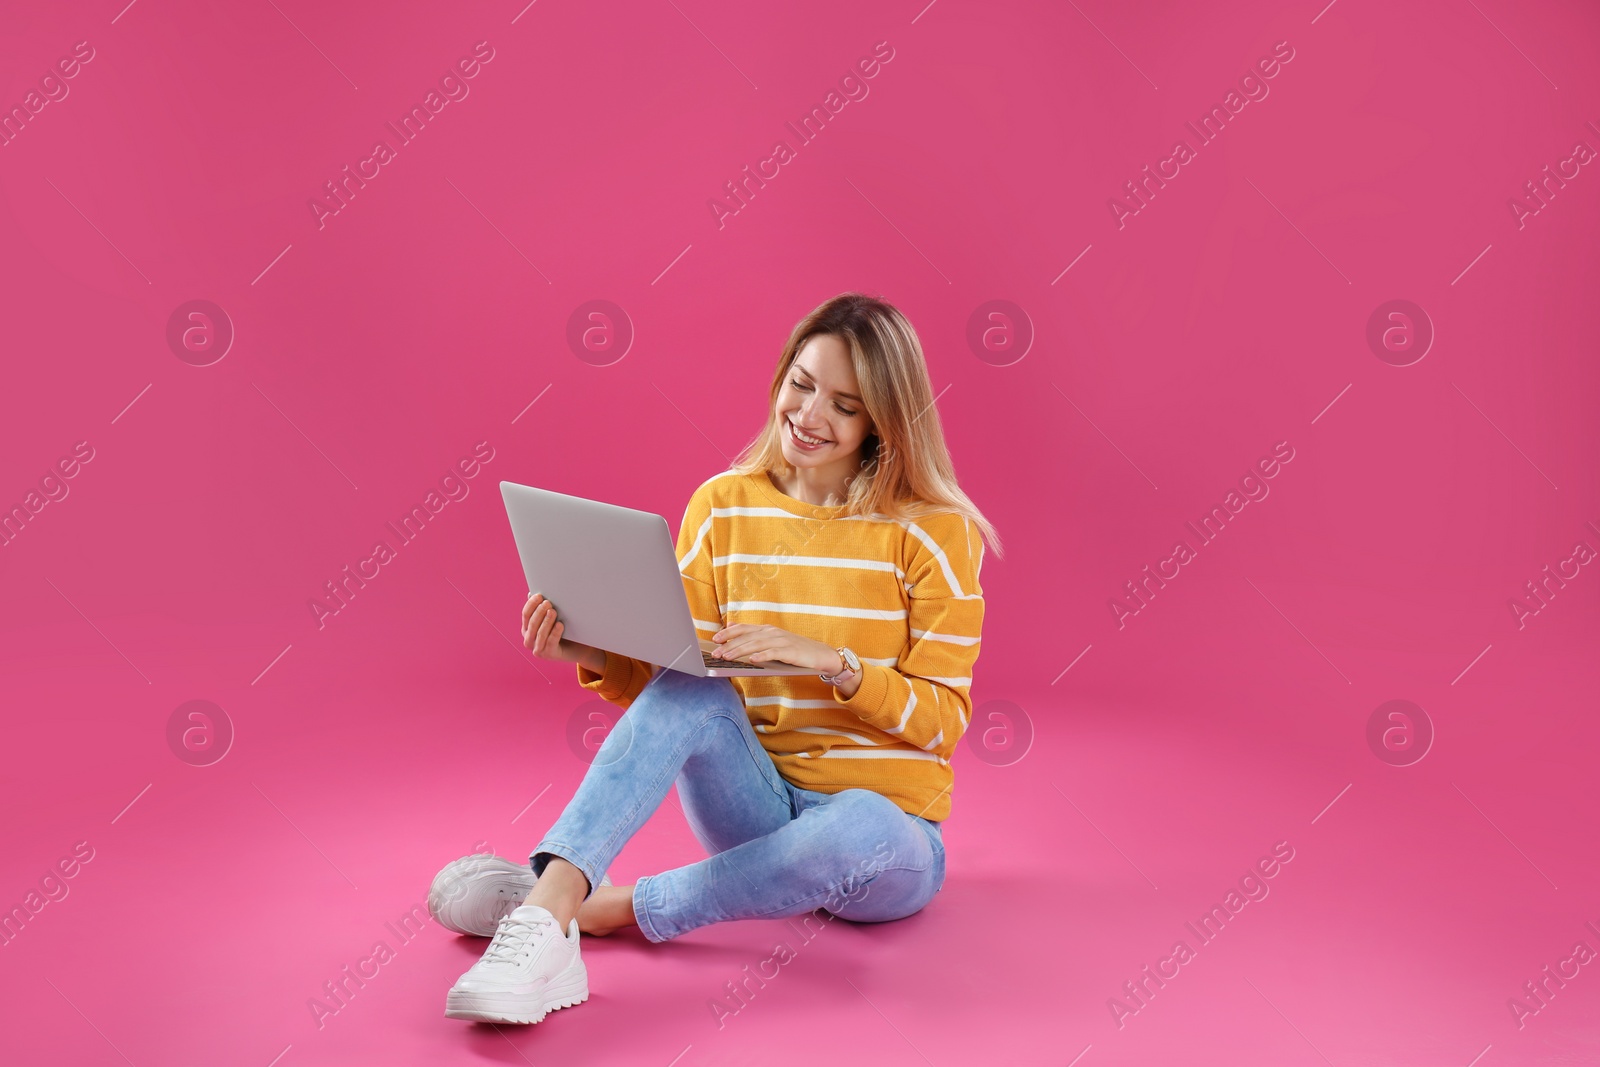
x,y
882,615
779,513
870,753
938,554
954,639
809,561
826,732
694,549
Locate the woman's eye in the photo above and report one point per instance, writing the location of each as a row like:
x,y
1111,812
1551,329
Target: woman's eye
x,y
801,385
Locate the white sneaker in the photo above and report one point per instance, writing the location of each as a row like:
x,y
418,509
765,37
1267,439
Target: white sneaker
x,y
528,971
472,894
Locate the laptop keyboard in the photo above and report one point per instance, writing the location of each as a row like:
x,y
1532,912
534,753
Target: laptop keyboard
x,y
713,661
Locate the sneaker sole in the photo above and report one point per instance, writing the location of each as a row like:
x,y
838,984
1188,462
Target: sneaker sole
x,y
495,885
569,990
472,895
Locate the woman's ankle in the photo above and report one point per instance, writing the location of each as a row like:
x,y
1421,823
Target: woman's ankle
x,y
560,890
608,909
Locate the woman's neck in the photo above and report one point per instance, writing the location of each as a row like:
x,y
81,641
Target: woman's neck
x,y
822,487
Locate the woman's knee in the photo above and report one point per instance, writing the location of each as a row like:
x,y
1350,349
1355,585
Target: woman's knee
x,y
671,689
867,821
667,699
893,894
671,712
886,865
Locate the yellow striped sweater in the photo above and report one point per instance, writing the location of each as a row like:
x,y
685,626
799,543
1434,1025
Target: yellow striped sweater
x,y
903,594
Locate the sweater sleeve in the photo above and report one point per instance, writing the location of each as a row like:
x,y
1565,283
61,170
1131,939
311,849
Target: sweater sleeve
x,y
624,678
926,700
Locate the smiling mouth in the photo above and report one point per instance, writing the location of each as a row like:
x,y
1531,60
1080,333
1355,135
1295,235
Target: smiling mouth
x,y
815,442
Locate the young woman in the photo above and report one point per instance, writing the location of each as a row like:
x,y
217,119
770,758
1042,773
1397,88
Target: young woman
x,y
839,541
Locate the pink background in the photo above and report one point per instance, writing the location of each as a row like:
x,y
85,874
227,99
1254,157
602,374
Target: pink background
x,y
427,315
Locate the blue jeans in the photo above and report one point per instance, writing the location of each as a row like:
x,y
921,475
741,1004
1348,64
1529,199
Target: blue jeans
x,y
776,850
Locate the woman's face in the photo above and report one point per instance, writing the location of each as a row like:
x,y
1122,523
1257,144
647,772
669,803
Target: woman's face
x,y
820,398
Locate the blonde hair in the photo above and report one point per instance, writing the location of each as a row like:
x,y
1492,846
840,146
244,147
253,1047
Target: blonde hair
x,y
906,470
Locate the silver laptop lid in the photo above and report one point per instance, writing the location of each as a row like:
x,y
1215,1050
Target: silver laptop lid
x,y
612,573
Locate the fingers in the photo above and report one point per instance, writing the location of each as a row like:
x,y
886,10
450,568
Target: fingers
x,y
539,640
543,632
538,615
738,649
743,640
530,634
543,646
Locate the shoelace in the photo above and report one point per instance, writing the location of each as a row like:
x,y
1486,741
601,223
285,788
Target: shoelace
x,y
514,937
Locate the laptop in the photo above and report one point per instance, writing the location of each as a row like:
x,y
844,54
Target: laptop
x,y
612,573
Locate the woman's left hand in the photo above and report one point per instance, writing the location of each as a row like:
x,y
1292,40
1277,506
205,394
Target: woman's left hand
x,y
760,644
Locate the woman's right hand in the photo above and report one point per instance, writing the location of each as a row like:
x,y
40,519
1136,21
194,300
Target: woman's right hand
x,y
541,635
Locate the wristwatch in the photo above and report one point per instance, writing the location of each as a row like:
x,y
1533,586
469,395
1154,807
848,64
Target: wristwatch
x,y
852,667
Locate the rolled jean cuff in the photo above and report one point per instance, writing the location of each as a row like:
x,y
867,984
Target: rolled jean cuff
x,y
554,848
648,904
